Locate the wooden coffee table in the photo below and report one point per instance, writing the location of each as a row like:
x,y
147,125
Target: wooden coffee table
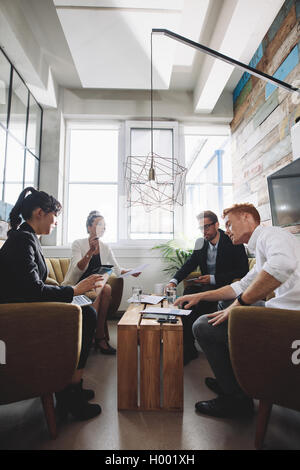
x,y
141,386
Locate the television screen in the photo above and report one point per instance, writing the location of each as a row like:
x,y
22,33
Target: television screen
x,y
284,192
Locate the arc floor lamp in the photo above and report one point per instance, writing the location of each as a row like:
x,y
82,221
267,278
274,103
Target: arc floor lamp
x,y
156,181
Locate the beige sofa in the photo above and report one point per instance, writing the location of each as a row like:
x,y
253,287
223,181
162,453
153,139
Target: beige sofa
x,y
58,268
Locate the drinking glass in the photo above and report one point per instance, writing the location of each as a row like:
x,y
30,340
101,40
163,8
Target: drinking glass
x,y
136,294
171,295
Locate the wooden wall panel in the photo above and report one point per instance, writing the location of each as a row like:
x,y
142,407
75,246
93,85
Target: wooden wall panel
x,y
261,127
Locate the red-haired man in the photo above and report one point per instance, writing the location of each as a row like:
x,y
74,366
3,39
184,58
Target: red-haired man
x,y
277,269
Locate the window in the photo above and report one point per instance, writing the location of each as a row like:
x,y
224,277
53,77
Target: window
x,y
96,156
20,134
209,179
93,178
158,223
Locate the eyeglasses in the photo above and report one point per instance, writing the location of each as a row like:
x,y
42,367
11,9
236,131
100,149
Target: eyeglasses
x,y
206,227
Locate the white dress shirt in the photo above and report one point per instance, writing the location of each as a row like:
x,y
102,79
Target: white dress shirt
x,y
277,252
79,250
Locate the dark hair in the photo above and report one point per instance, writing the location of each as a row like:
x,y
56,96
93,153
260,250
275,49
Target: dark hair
x,y
91,217
29,200
209,215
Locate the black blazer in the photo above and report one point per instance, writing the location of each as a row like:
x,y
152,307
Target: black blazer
x,y
231,262
23,270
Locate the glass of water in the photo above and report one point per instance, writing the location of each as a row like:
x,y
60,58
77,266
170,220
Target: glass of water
x,y
171,295
136,294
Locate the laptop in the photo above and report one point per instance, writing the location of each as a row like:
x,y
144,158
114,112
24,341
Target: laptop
x,y
81,300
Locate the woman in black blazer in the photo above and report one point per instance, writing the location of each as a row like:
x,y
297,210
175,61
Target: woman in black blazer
x,y
23,272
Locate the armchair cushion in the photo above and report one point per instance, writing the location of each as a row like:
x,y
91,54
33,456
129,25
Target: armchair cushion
x,y
43,341
260,342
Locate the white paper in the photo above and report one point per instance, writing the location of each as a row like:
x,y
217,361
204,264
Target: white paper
x,y
139,269
169,311
148,299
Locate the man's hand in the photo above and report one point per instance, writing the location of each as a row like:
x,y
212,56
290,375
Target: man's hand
x,y
171,284
218,317
191,300
203,279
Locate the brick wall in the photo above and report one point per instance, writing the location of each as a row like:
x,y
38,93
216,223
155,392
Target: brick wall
x,y
263,114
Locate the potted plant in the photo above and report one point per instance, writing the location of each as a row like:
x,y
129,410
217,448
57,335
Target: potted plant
x,y
175,253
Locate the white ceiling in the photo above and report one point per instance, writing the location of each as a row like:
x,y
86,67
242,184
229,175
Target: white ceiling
x,y
105,44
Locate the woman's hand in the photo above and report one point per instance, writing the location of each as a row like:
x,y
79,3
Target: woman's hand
x,y
87,284
94,244
124,271
191,300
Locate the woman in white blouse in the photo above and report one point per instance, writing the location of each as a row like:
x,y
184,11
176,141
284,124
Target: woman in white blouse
x,y
88,254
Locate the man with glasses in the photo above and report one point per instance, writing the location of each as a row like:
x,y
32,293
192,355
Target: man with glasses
x,y
220,263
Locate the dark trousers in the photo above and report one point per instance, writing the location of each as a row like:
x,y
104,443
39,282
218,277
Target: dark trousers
x,y
89,321
201,308
214,343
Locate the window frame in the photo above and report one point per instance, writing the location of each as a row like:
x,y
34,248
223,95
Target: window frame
x,y
124,128
86,125
124,222
8,132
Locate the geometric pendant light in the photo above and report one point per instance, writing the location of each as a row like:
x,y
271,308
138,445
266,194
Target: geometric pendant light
x,y
152,180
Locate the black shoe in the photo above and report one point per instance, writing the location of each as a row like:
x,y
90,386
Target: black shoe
x,y
86,393
213,385
71,401
109,350
227,406
189,356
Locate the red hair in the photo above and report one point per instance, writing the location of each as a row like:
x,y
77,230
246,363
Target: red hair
x,y
242,208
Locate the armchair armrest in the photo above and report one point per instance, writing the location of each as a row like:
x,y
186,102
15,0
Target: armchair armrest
x,y
260,343
43,341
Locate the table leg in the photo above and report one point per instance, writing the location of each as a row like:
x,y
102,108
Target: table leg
x,y
127,368
150,367
172,369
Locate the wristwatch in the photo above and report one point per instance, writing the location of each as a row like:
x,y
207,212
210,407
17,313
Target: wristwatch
x,y
240,300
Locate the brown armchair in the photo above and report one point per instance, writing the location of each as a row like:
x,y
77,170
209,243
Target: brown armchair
x,y
42,344
260,342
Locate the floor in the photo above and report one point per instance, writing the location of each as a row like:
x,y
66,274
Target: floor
x,y
22,425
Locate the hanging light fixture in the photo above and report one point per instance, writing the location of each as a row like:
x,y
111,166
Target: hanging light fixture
x,y
152,180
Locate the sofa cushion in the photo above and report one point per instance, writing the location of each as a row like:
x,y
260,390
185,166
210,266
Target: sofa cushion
x,y
58,268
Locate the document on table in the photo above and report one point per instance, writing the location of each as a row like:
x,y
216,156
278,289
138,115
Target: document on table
x,y
167,311
139,269
148,299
